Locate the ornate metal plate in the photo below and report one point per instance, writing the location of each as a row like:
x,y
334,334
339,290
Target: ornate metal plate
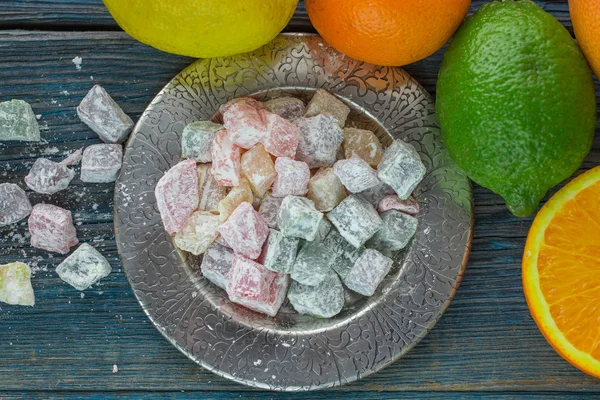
x,y
291,351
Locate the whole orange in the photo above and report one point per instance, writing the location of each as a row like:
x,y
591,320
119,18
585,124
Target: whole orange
x,y
387,32
585,15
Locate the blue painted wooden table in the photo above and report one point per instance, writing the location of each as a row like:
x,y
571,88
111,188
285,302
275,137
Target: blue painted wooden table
x,y
485,346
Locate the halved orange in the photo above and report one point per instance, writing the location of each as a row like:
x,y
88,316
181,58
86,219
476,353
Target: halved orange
x,y
561,271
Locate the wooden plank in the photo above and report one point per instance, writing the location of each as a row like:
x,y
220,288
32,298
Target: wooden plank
x,y
485,342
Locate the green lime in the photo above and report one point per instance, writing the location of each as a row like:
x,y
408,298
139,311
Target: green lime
x,y
515,101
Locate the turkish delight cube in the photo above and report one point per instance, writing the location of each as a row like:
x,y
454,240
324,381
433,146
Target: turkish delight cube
x,y
279,252
248,101
177,195
15,284
324,102
289,108
197,139
209,191
245,231
320,140
299,218
345,254
292,177
48,177
18,122
237,195
325,189
269,210
84,267
368,272
323,231
52,229
199,232
282,137
216,263
225,160
313,264
104,116
401,168
14,204
393,202
257,166
101,163
375,194
255,287
363,144
244,124
355,219
355,174
324,300
397,230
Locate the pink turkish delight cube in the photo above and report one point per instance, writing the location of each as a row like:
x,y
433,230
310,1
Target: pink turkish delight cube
x,y
249,101
177,195
282,136
225,160
245,231
244,124
252,285
52,229
393,202
292,178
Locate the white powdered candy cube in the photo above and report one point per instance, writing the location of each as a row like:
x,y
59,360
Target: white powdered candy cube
x,y
100,112
18,122
324,102
289,108
313,264
279,252
292,178
51,228
216,264
197,139
199,232
210,192
177,195
377,193
397,230
401,168
326,189
368,272
320,140
322,301
299,218
346,254
101,163
323,231
356,174
15,284
48,177
269,210
14,204
84,267
355,219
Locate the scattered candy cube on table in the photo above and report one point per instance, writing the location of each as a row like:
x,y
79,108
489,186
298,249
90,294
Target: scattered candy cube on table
x,y
52,229
320,140
401,168
48,177
257,166
355,219
199,232
244,124
101,163
15,284
368,272
104,116
393,202
282,136
289,108
279,252
269,210
18,122
216,263
84,267
299,218
375,194
322,301
364,144
245,231
255,287
345,254
177,195
324,102
237,195
14,204
225,160
197,139
313,264
210,192
325,189
397,230
355,174
292,178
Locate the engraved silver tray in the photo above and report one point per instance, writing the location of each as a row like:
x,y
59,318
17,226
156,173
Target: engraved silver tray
x,y
293,352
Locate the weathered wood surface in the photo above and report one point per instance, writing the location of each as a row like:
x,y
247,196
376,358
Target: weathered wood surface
x,y
485,346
